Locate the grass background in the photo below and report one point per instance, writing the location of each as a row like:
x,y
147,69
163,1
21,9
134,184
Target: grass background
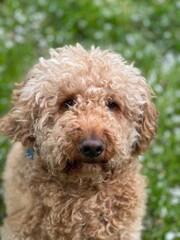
x,y
144,32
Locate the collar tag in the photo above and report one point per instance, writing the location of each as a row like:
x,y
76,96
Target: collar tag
x,y
30,154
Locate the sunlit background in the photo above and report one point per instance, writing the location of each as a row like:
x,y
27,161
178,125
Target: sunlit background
x,y
143,32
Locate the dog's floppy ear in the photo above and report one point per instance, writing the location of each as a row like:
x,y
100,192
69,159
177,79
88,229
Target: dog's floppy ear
x,y
18,123
146,127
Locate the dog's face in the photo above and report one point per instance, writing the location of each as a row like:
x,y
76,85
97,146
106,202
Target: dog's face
x,y
82,109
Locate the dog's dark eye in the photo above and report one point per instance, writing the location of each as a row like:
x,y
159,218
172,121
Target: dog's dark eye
x,y
112,105
69,103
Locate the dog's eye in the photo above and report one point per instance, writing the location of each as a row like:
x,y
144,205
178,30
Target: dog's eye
x,y
112,105
69,103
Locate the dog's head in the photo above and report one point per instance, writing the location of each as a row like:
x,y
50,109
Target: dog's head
x,y
82,108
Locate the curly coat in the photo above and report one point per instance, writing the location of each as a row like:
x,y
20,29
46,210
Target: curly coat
x,y
64,192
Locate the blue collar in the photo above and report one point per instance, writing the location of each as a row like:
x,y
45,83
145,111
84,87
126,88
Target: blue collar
x,y
30,153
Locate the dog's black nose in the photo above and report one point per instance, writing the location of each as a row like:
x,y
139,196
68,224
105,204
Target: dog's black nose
x,y
91,147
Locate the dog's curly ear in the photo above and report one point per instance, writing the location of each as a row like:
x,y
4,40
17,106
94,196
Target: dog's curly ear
x,y
18,123
146,127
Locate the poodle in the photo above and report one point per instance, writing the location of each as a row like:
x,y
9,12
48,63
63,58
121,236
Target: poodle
x,y
79,122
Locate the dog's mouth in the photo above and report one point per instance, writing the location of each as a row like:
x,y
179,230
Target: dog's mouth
x,y
76,164
94,161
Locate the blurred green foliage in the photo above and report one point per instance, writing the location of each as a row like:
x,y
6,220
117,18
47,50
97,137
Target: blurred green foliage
x,y
144,32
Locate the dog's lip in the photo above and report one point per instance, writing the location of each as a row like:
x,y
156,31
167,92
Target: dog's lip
x,y
94,161
90,161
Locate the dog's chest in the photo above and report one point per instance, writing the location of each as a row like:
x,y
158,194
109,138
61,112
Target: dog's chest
x,y
85,212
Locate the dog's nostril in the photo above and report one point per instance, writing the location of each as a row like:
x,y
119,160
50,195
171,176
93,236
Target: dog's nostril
x,y
99,149
86,150
91,147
